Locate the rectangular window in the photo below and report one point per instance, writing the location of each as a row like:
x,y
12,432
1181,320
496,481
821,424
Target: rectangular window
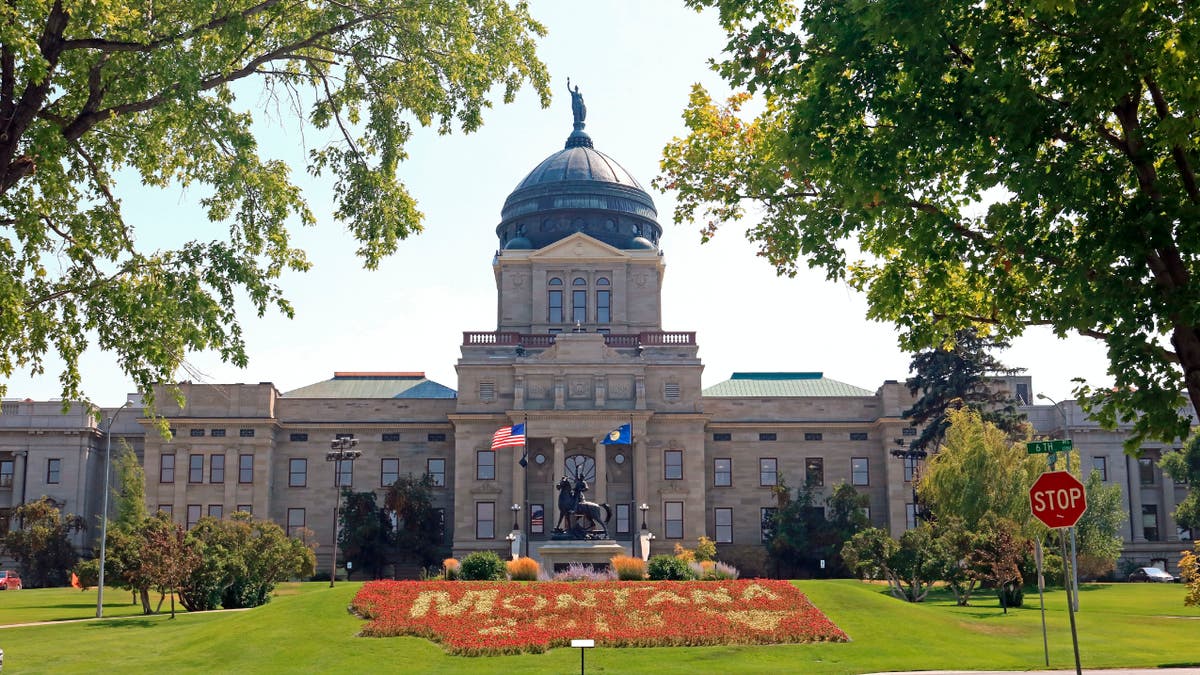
x,y
910,468
908,431
297,472
298,438
723,525
673,519
1146,471
166,468
556,307
246,433
485,465
196,433
1100,464
814,472
722,472
245,508
342,436
391,438
168,509
343,473
578,306
436,438
910,516
858,436
860,471
295,522
216,511
623,519
766,437
810,436
1150,522
485,520
1184,533
437,468
193,515
389,471
722,437
537,519
673,465
245,469
6,473
603,305
766,527
195,468
53,471
217,433
768,471
216,469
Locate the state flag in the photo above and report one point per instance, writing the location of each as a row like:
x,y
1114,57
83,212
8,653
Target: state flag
x,y
622,435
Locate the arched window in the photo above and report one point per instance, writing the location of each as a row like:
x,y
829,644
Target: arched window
x,y
555,300
603,301
579,281
582,466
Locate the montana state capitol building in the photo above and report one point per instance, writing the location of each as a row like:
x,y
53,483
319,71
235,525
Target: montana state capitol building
x,y
578,349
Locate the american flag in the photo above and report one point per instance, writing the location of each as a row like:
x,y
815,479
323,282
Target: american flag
x,y
537,518
509,437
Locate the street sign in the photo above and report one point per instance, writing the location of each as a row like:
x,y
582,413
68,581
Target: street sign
x,y
1047,447
1057,499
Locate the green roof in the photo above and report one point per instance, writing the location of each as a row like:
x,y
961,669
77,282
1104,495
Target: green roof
x,y
374,385
783,385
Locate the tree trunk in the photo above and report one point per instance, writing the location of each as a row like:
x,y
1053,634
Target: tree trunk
x,y
1186,341
145,593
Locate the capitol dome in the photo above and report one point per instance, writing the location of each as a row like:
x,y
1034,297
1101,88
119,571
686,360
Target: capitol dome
x,y
579,189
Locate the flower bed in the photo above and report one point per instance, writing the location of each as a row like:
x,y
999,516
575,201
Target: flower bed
x,y
498,618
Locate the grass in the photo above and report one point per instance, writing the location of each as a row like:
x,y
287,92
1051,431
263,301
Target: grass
x,y
63,604
306,628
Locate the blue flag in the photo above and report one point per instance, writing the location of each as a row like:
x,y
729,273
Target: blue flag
x,y
622,435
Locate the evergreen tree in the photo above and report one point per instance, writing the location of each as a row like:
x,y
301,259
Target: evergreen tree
x,y
364,537
418,529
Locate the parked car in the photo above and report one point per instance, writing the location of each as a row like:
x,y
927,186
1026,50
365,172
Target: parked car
x,y
1151,574
9,581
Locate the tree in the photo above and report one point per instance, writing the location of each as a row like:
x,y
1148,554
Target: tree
x,y
959,375
364,536
794,524
1098,532
418,528
954,547
996,559
130,493
167,558
910,565
127,549
979,472
1184,467
100,94
987,165
42,544
1189,572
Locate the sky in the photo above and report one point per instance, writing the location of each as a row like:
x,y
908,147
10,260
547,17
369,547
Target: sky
x,y
635,63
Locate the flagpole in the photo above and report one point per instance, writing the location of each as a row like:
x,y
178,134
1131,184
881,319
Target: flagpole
x,y
525,477
633,533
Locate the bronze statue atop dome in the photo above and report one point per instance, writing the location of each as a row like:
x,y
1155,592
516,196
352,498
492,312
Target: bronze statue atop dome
x,y
578,109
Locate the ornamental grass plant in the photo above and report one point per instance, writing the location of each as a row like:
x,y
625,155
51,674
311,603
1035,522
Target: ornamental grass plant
x,y
451,569
523,569
628,568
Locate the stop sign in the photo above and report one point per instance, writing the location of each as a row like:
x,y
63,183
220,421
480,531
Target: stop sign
x,y
1057,499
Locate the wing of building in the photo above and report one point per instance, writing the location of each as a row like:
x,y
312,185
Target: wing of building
x,y
576,351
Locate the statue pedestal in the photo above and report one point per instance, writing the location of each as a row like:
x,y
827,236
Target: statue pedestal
x,y
557,555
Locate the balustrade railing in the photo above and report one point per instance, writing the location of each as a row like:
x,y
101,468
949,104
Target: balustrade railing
x,y
542,340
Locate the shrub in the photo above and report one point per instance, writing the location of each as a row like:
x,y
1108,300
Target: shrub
x,y
629,568
722,571
706,549
452,570
668,568
685,555
522,569
482,566
581,572
88,572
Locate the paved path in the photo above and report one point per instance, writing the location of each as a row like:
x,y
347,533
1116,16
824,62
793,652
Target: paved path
x,y
1093,671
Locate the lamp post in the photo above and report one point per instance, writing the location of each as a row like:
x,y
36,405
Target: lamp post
x,y
1074,594
644,508
908,453
340,449
515,508
131,400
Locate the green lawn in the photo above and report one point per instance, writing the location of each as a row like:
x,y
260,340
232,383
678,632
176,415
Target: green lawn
x,y
61,604
306,628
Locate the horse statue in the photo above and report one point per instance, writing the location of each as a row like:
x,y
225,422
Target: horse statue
x,y
572,505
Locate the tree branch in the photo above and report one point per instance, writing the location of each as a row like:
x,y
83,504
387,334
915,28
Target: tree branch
x,y
1181,161
112,46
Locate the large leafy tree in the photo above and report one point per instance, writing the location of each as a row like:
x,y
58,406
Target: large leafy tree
x,y
957,375
365,533
418,533
99,95
990,165
1098,531
1184,467
41,544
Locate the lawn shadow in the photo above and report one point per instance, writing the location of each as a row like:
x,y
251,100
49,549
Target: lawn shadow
x,y
144,622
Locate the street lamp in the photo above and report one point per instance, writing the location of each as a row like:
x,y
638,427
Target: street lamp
x,y
340,449
130,400
515,508
644,508
1074,594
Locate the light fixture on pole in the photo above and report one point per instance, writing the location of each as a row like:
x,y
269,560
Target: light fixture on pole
x,y
515,508
340,449
644,508
130,400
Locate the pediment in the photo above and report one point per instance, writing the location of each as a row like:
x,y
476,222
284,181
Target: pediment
x,y
578,246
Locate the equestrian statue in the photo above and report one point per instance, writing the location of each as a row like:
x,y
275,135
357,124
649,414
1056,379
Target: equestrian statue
x,y
573,509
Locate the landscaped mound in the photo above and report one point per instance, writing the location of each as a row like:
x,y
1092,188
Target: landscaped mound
x,y
503,618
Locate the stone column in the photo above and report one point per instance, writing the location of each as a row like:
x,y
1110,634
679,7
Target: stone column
x,y
600,489
1135,499
640,483
21,457
560,458
1170,531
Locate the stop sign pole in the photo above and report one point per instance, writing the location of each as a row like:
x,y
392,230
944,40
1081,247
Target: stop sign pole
x,y
1058,499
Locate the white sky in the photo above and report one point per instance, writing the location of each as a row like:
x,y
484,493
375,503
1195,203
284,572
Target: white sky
x,y
635,63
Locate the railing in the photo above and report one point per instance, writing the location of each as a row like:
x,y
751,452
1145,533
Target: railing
x,y
644,339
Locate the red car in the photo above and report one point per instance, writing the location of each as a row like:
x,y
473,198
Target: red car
x,y
9,581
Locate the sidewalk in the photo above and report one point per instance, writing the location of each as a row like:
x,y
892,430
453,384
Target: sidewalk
x,y
1094,671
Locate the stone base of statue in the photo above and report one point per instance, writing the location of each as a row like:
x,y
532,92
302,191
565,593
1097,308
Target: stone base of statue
x,y
556,556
